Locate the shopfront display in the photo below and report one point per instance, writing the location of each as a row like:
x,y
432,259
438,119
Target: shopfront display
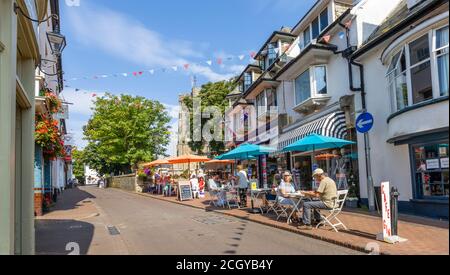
x,y
431,170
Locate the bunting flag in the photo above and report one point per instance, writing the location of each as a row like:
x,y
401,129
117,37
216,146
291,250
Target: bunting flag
x,y
348,24
326,38
220,61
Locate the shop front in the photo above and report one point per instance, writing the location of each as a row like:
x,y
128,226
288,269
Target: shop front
x,y
429,155
341,164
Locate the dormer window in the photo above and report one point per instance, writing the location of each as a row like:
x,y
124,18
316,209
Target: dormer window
x,y
271,54
318,25
248,81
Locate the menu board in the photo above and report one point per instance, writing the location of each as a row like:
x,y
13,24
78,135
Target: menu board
x,y
185,191
444,163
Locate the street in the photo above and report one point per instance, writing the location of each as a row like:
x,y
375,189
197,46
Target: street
x,y
150,227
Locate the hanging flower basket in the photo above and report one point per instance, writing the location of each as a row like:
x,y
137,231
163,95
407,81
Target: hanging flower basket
x,y
54,103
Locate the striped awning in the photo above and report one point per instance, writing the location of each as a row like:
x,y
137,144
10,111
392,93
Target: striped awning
x,y
332,125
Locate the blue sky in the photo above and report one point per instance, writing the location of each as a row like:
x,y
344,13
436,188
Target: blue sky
x,y
108,37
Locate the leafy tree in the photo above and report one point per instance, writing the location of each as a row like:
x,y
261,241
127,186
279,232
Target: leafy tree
x,y
78,164
211,94
123,131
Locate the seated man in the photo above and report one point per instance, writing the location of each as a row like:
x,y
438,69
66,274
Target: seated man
x,y
195,186
327,193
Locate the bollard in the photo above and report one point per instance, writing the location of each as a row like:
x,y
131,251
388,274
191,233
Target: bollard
x,y
394,210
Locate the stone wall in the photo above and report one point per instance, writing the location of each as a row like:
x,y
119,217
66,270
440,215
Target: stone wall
x,y
127,182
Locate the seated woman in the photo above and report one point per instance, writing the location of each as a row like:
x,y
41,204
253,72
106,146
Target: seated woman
x,y
286,187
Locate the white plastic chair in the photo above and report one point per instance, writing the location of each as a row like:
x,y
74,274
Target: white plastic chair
x,y
334,213
232,199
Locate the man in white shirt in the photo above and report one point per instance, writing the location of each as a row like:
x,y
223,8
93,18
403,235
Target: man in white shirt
x,y
243,185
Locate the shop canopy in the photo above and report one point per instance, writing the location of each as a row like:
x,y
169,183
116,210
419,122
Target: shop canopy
x,y
317,142
246,151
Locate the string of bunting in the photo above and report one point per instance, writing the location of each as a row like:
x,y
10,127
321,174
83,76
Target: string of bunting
x,y
186,67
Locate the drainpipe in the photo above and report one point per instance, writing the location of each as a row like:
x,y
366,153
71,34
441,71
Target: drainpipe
x,y
362,90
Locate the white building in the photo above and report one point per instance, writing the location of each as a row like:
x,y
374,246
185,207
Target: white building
x,y
91,176
405,66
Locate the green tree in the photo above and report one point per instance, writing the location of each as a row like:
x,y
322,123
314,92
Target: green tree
x,y
211,94
123,131
78,164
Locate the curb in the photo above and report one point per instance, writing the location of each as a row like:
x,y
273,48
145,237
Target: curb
x,y
292,230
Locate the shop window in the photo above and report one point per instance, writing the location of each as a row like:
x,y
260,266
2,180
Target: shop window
x,y
431,170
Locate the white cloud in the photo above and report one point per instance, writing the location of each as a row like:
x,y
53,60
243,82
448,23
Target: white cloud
x,y
129,39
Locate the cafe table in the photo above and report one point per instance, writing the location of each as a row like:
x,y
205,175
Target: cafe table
x,y
296,199
259,194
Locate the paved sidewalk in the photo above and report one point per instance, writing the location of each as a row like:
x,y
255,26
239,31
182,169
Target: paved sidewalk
x,y
76,219
425,237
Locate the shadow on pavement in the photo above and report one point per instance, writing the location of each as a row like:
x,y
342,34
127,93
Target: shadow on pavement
x,y
62,237
72,199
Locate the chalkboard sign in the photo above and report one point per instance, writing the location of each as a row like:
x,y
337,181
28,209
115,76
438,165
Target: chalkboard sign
x,y
185,191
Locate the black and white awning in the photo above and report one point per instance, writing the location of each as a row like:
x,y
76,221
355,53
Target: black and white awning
x,y
333,125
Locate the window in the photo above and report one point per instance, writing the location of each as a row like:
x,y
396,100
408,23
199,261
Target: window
x,y
416,73
320,74
248,80
441,52
397,81
311,83
302,88
421,82
324,20
315,28
307,37
271,54
265,100
431,169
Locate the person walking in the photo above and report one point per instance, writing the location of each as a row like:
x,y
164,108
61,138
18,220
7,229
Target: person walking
x,y
243,185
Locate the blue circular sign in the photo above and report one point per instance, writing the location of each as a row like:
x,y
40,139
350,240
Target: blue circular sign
x,y
364,123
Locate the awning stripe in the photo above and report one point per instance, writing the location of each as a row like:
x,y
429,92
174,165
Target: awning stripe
x,y
333,125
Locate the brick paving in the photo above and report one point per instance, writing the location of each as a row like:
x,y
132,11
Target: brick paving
x,y
425,237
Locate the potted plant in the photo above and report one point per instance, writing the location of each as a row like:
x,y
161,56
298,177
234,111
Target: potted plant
x,y
352,198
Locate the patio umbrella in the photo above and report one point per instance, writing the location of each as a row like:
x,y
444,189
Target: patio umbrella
x,y
246,151
188,159
317,142
157,163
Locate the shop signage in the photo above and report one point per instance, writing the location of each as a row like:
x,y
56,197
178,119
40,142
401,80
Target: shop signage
x,y
364,123
432,164
387,235
185,191
444,163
